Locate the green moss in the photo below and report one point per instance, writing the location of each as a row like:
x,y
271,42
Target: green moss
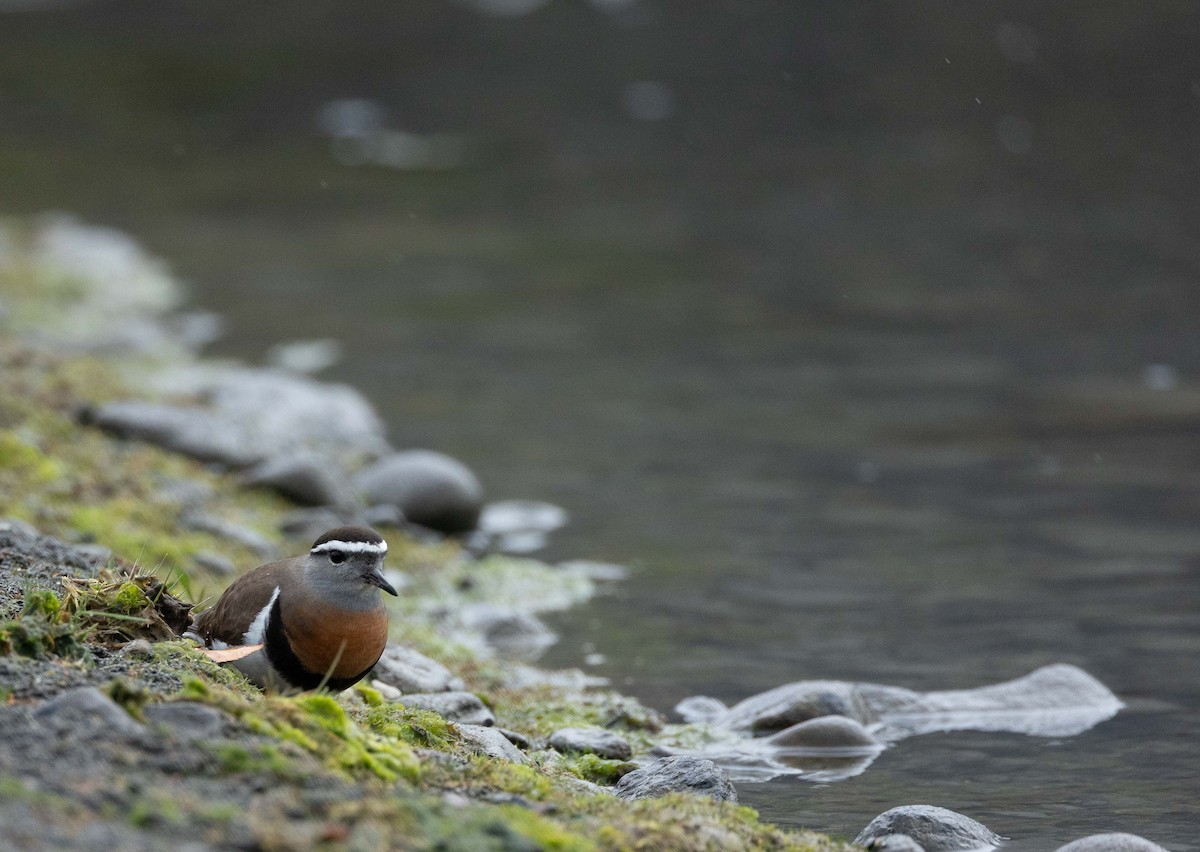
x,y
421,728
23,460
598,770
543,833
327,713
237,759
42,630
129,694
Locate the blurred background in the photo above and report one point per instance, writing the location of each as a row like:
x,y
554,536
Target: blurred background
x,y
865,332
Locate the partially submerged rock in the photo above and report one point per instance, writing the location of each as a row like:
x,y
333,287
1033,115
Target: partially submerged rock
x,y
828,733
1114,842
932,828
678,774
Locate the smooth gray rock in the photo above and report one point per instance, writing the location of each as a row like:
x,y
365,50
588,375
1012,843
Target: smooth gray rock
x,y
411,671
934,829
595,741
138,649
678,774
86,707
216,525
700,709
516,516
193,432
97,554
383,515
462,707
214,563
429,488
515,633
826,733
18,530
190,721
1057,700
308,523
895,843
492,742
302,477
1114,842
516,738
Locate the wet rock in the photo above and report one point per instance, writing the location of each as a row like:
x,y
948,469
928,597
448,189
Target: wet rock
x,y
214,563
302,477
190,721
827,732
411,671
462,707
520,526
491,741
934,829
515,633
429,488
1114,842
305,356
700,709
678,774
595,741
221,528
86,708
895,843
597,572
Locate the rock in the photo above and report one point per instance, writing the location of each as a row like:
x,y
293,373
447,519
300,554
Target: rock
x,y
700,709
678,774
491,741
411,671
386,690
383,515
214,563
309,523
86,708
190,721
429,488
1059,700
138,649
521,516
934,829
462,707
597,572
827,732
515,633
97,554
215,525
302,477
193,432
17,530
516,738
895,843
595,741
1114,842
305,356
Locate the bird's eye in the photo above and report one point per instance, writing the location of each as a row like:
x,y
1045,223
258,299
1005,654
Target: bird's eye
x,y
337,557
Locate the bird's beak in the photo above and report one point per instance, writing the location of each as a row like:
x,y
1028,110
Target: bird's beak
x,y
375,578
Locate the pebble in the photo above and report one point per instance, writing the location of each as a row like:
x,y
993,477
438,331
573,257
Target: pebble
x,y
518,516
18,530
308,523
700,709
1114,842
595,741
491,741
97,554
407,670
216,525
214,563
429,488
934,829
515,633
682,774
461,707
597,572
138,649
86,707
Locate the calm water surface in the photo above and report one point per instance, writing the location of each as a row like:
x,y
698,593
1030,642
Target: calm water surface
x,y
876,359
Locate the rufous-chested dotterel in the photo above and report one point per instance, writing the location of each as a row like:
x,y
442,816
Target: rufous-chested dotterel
x,y
303,622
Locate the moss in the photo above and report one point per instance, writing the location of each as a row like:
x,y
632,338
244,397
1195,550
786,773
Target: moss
x,y
598,770
421,728
42,630
237,759
541,832
129,694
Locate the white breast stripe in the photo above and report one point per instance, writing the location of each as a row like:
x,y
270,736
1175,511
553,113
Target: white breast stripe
x,y
352,547
258,627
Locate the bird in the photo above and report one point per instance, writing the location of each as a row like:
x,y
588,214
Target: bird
x,y
316,620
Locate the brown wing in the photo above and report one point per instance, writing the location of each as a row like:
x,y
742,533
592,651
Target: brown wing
x,y
228,620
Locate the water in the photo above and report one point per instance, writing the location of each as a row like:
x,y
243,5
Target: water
x,y
859,389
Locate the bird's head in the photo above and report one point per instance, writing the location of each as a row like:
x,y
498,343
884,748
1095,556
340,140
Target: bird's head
x,y
347,560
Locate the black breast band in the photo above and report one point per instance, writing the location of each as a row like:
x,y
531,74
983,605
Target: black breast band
x,y
288,666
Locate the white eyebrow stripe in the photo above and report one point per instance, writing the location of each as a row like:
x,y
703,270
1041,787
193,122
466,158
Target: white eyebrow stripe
x,y
352,547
